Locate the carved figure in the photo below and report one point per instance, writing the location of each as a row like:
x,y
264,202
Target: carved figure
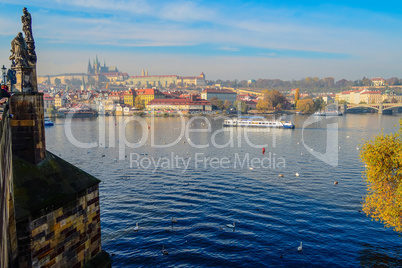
x,y
27,24
19,50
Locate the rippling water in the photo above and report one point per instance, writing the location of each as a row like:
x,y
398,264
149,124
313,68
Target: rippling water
x,y
272,214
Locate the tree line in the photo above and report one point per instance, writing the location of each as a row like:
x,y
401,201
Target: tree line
x,y
311,84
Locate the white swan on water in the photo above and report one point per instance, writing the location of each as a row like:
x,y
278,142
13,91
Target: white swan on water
x,y
297,174
231,225
300,248
136,228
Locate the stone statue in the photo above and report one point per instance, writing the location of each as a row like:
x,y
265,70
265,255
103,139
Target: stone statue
x,y
19,50
27,24
23,58
26,20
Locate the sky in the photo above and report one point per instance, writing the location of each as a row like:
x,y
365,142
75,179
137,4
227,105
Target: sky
x,y
224,39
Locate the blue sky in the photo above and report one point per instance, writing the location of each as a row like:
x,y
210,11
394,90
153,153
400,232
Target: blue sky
x,y
224,39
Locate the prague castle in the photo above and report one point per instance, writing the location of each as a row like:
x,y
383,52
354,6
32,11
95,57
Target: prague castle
x,y
96,68
101,73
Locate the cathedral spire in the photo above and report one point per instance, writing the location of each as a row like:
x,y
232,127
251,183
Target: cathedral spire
x,y
89,67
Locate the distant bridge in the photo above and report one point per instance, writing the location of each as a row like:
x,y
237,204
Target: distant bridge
x,y
243,91
380,107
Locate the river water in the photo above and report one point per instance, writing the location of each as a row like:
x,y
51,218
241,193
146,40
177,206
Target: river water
x,y
206,177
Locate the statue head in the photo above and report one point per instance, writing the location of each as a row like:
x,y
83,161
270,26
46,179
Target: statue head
x,y
25,10
19,35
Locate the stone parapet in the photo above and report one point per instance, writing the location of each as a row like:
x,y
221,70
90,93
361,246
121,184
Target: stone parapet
x,y
69,236
27,126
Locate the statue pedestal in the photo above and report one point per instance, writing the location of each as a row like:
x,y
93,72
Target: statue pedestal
x,y
24,79
27,126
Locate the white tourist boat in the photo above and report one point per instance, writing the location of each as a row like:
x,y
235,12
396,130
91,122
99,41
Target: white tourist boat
x,y
256,121
328,113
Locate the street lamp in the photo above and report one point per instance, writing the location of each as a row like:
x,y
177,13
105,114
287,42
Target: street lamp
x,y
3,70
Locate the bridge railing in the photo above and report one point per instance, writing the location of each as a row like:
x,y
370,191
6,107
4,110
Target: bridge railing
x,y
6,195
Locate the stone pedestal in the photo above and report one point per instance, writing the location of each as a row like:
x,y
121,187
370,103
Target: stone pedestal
x,y
24,75
27,126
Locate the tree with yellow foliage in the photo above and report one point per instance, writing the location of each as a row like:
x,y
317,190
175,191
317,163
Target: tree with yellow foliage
x,y
264,105
305,106
297,95
383,159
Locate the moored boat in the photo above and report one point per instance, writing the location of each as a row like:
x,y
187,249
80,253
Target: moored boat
x,y
77,111
256,121
328,113
48,122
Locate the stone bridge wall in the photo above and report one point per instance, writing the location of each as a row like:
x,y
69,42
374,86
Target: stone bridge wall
x,y
8,237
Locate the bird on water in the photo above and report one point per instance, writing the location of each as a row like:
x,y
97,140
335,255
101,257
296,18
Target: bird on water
x,y
300,248
174,220
231,225
164,251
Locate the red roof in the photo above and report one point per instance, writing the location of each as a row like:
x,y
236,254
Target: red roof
x,y
148,91
129,92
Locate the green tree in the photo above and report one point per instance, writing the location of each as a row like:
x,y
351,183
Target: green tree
x,y
227,104
305,106
243,106
138,103
51,110
216,102
57,81
319,104
382,157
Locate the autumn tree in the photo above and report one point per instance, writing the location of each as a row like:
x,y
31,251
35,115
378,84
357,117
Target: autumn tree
x,y
383,174
227,104
297,95
305,106
264,105
274,96
216,102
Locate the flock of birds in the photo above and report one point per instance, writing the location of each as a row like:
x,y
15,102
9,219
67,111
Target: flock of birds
x,y
229,225
296,174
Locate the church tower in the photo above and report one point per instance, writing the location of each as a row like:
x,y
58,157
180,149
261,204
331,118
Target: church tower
x,y
89,71
96,65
